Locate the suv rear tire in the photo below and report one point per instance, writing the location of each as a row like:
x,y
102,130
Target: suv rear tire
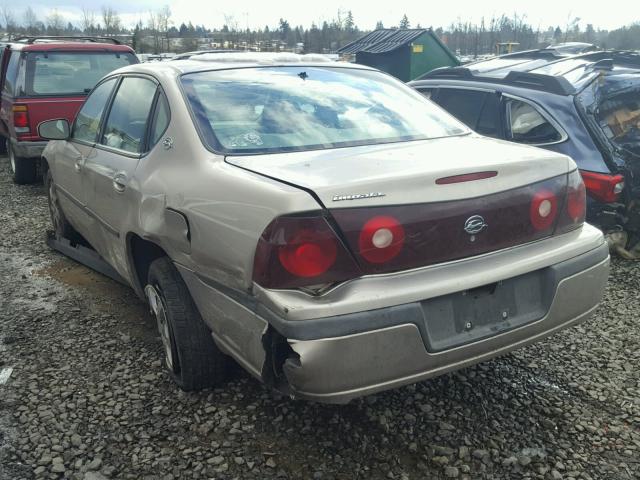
x,y
23,169
191,356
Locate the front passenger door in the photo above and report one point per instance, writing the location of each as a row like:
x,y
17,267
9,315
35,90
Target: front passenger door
x,y
68,167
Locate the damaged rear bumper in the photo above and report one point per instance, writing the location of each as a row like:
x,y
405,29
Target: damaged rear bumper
x,y
336,370
336,358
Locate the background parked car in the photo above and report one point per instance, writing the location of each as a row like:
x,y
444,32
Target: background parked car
x,y
320,222
586,106
43,78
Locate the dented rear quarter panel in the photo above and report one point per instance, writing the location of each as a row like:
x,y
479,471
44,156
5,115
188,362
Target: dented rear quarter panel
x,y
226,208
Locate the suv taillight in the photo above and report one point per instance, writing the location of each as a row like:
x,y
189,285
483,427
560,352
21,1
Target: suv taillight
x,y
602,187
575,204
301,251
21,119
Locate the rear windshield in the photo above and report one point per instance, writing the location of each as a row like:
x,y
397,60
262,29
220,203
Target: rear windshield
x,y
70,73
274,109
614,102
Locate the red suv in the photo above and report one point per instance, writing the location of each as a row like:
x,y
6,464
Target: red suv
x,y
44,78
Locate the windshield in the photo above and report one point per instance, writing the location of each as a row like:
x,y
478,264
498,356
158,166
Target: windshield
x,y
274,109
71,73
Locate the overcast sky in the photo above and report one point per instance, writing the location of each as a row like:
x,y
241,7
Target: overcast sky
x,y
258,13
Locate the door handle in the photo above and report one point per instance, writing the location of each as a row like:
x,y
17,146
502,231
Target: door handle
x,y
119,182
78,163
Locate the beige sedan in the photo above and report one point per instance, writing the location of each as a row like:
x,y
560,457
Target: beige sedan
x,y
327,227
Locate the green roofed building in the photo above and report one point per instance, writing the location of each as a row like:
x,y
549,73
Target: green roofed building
x,y
404,53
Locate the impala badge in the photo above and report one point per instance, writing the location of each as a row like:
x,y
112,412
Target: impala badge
x,y
474,225
357,196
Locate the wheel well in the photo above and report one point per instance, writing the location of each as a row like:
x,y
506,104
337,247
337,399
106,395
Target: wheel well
x,y
141,254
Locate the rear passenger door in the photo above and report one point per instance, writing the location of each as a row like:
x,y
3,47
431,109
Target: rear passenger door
x,y
122,141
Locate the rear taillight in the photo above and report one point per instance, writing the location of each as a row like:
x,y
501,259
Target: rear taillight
x,y
304,251
544,209
575,205
301,251
308,255
381,239
21,118
602,187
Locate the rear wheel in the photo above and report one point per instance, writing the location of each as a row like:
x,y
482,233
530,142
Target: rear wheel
x,y
23,169
191,356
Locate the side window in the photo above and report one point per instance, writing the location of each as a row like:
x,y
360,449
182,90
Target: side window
x,y
127,121
160,120
465,105
527,125
12,73
87,122
489,123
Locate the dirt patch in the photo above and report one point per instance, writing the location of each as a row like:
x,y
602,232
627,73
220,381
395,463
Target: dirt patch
x,y
105,296
76,275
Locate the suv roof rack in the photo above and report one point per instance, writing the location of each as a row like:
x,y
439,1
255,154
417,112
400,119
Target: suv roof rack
x,y
544,53
34,39
536,81
618,57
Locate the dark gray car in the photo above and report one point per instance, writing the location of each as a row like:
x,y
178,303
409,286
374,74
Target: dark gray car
x,y
586,106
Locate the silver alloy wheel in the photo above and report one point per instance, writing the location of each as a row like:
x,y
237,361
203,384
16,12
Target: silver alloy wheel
x,y
159,311
54,209
12,160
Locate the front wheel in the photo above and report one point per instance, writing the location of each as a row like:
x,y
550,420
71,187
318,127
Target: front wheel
x,y
24,170
191,356
61,225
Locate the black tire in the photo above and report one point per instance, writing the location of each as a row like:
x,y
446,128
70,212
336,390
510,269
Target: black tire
x,y
195,362
3,146
24,170
61,225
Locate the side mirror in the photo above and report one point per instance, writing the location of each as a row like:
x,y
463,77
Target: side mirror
x,y
57,129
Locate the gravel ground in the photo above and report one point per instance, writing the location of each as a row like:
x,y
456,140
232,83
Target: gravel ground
x,y
88,399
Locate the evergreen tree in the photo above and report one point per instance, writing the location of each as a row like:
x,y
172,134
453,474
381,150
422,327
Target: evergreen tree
x,y
349,24
284,29
404,23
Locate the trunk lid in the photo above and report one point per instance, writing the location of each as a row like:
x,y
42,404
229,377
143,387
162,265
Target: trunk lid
x,y
406,173
408,217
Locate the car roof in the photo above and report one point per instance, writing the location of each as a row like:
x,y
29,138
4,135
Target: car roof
x,y
225,61
185,55
546,69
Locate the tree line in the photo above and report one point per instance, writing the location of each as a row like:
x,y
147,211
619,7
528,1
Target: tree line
x,y
155,31
470,38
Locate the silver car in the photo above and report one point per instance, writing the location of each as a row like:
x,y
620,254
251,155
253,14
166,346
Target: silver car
x,y
327,227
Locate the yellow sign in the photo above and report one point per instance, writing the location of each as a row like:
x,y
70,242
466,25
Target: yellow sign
x,y
418,48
